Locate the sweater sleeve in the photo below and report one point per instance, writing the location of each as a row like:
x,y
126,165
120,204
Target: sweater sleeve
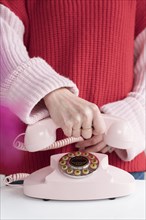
x,y
24,80
133,106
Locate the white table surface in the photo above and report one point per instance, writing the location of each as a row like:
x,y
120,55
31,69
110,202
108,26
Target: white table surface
x,y
15,205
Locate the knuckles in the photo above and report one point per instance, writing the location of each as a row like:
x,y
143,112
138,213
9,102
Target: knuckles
x,y
79,116
94,108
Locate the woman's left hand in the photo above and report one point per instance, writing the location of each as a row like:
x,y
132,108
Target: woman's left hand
x,y
94,144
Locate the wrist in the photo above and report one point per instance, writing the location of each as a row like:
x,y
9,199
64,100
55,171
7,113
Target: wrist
x,y
55,93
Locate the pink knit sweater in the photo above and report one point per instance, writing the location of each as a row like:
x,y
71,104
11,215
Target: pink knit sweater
x,y
30,78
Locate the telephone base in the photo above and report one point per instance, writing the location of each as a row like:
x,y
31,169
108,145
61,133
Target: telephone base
x,y
105,183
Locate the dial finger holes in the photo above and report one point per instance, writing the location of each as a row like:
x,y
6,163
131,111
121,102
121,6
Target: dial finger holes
x,y
78,164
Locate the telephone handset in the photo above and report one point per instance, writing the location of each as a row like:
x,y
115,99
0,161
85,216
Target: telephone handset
x,y
42,135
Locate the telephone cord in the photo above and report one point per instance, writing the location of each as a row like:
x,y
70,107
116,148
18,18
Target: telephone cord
x,y
58,144
8,180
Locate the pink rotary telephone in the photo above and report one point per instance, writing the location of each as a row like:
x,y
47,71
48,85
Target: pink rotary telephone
x,y
78,175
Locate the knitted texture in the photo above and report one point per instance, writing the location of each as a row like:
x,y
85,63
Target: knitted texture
x,y
67,43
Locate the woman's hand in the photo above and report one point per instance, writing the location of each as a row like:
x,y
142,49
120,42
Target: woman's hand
x,y
95,144
76,116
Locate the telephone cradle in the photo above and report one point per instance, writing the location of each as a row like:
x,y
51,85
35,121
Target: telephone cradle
x,y
78,175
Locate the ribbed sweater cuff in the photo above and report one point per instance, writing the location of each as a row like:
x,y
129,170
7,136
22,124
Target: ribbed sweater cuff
x,y
28,84
131,110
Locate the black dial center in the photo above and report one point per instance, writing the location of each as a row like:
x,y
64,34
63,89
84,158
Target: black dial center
x,y
78,161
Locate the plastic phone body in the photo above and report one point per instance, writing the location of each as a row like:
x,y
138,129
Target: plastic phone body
x,y
105,182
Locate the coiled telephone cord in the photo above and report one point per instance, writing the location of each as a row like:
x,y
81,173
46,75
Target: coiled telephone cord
x,y
8,180
58,144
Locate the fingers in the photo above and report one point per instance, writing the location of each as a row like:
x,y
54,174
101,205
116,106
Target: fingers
x,y
67,129
76,116
96,148
107,149
98,122
100,148
92,141
86,130
79,124
94,144
76,129
88,122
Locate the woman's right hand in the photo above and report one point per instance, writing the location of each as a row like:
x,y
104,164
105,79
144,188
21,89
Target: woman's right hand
x,y
76,116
